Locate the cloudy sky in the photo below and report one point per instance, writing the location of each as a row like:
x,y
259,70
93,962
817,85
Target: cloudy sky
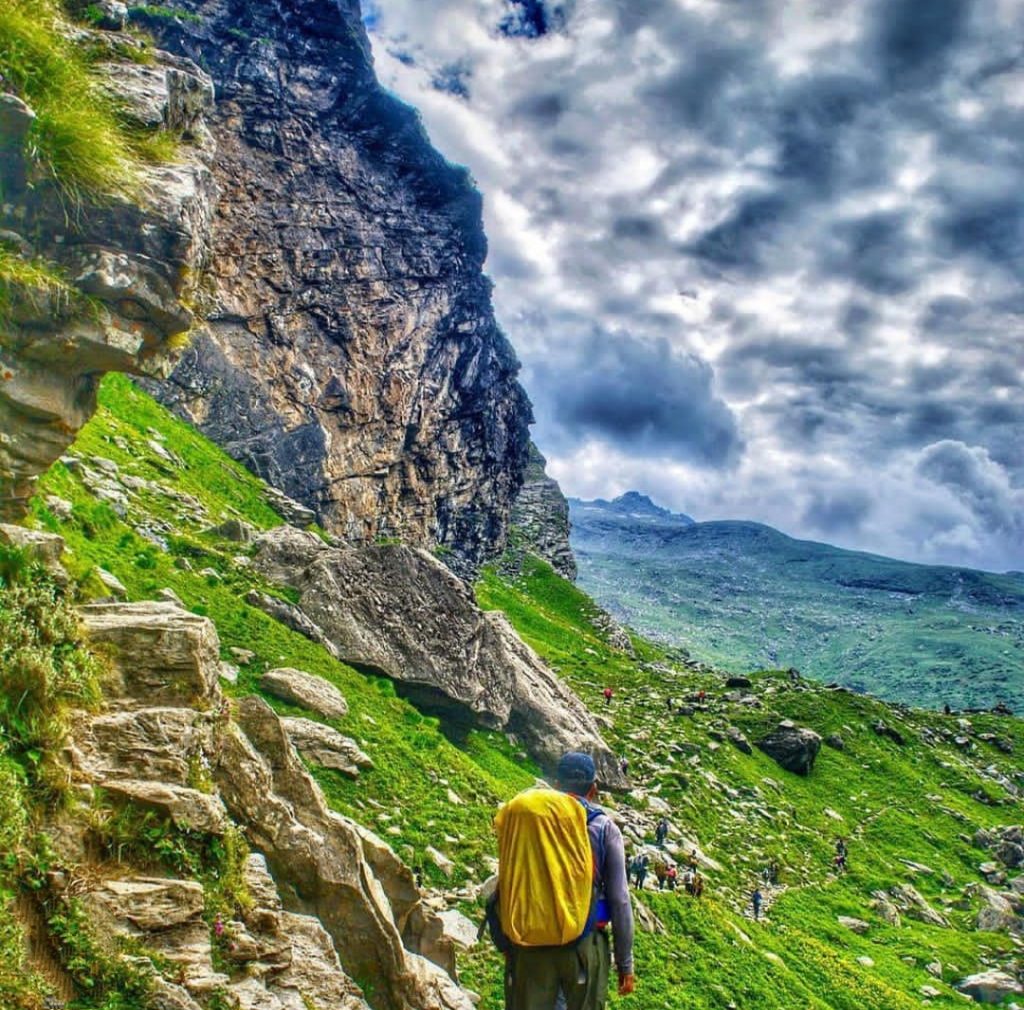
x,y
761,259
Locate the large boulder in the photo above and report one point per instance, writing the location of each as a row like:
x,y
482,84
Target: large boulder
x,y
792,747
997,913
990,986
159,653
400,612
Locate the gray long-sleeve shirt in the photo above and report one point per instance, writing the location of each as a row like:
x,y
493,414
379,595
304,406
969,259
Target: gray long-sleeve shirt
x,y
615,885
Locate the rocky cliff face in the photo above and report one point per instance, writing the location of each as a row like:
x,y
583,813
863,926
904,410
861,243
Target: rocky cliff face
x,y
121,271
352,358
540,517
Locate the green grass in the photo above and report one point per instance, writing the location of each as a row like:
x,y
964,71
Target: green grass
x,y
744,596
78,138
724,799
34,281
915,802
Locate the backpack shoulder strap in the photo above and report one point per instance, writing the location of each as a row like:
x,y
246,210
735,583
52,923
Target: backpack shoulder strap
x,y
593,813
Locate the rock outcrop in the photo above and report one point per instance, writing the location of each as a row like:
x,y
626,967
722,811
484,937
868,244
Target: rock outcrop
x,y
329,900
127,265
792,747
540,517
352,358
991,986
400,612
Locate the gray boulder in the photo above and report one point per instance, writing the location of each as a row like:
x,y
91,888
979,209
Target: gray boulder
x,y
792,747
401,612
990,986
159,653
306,691
325,746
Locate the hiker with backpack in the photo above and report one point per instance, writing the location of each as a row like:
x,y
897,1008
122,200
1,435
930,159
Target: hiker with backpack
x,y
661,833
561,883
757,900
608,694
640,865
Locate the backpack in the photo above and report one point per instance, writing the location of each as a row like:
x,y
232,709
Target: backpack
x,y
549,888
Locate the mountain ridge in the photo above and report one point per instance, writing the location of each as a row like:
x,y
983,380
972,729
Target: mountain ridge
x,y
739,593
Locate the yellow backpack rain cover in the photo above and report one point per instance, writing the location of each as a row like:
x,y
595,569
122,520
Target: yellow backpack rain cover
x,y
546,868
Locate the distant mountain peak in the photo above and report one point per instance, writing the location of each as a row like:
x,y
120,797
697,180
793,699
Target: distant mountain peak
x,y
634,501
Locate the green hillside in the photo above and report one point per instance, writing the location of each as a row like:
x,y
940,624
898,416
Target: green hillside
x,y
910,810
745,596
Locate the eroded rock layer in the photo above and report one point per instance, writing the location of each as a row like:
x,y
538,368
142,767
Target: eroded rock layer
x,y
122,269
329,900
352,359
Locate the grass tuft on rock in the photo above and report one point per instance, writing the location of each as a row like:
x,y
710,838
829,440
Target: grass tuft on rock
x,y
78,139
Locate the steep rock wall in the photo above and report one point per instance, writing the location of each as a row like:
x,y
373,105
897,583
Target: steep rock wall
x,y
540,518
352,359
126,267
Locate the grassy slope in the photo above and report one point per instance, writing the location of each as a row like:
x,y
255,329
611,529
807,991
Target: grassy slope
x,y
801,958
744,596
414,763
727,801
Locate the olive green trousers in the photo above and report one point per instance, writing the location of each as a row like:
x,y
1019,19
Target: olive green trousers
x,y
534,975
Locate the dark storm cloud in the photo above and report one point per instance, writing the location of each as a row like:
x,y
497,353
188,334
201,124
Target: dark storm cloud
x,y
979,483
738,242
989,228
915,38
812,117
874,251
838,511
640,396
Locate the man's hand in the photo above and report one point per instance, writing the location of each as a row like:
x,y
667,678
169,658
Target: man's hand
x,y
627,983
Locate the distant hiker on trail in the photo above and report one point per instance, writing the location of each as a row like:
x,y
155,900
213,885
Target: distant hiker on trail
x,y
701,696
640,865
624,766
671,877
841,854
608,693
757,899
661,873
668,704
794,675
946,709
661,833
694,862
562,883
